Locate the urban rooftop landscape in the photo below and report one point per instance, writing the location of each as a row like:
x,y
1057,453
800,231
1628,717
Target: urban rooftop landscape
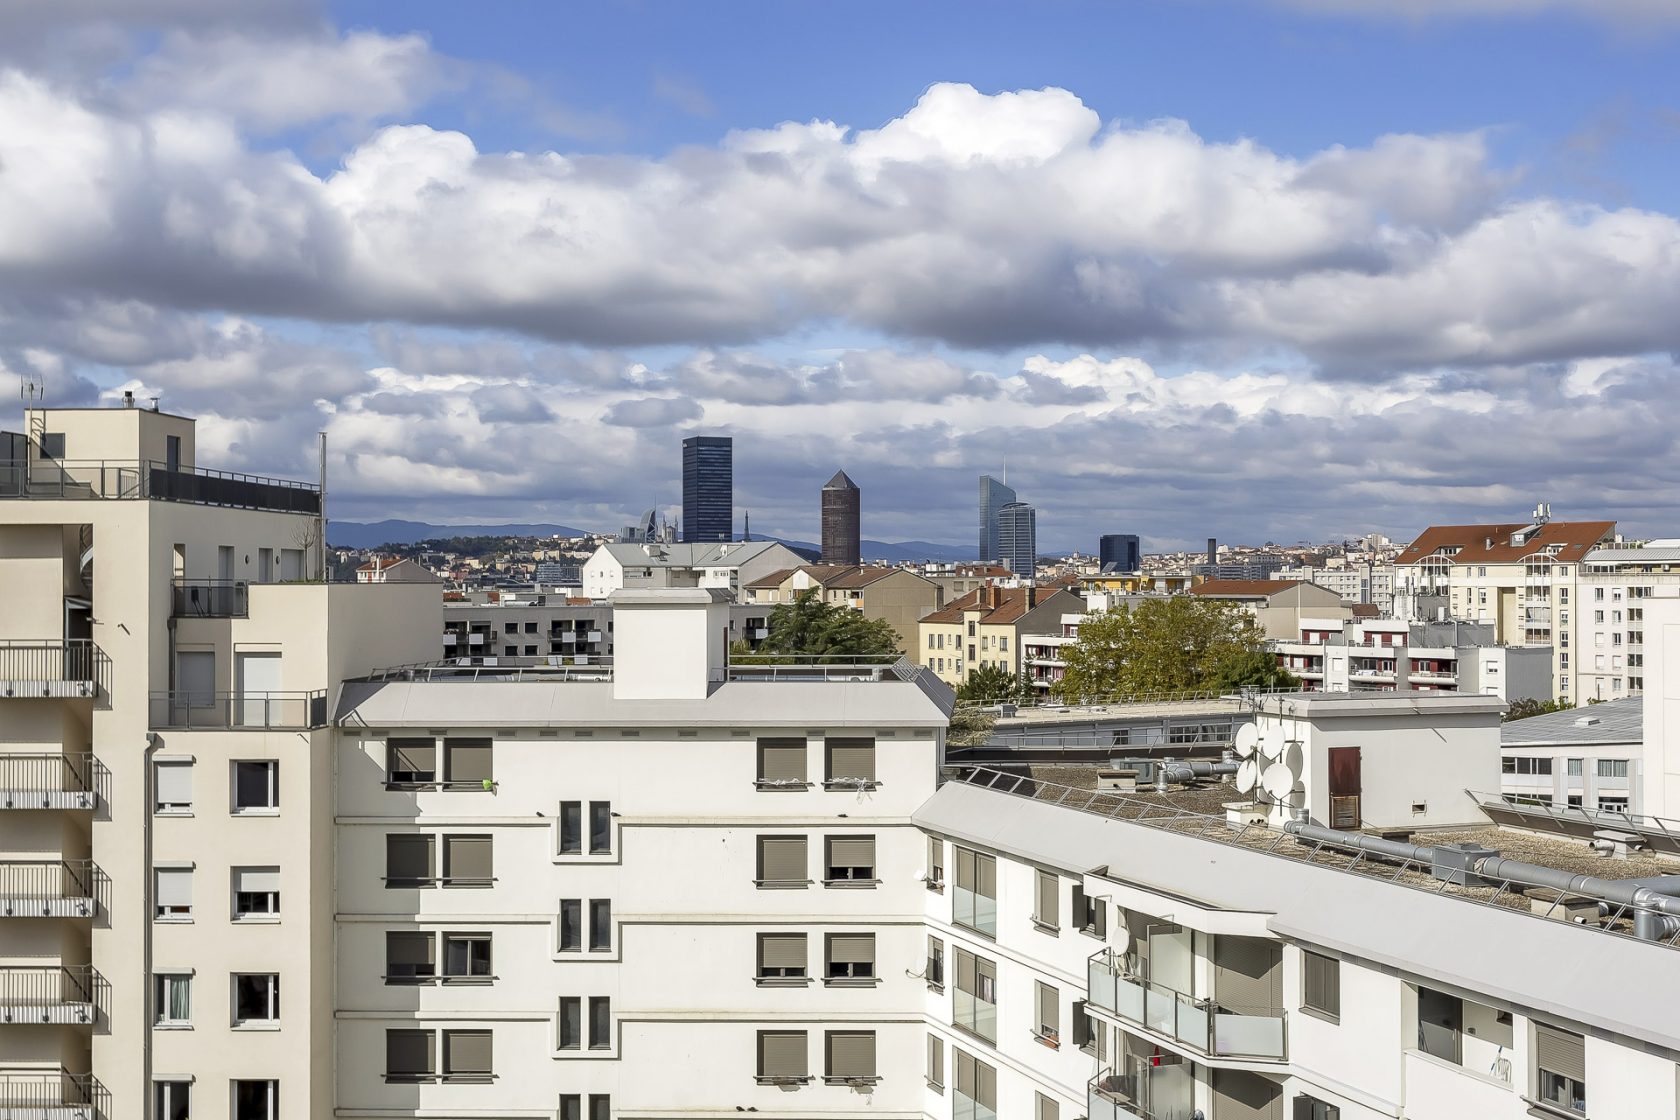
x,y
660,562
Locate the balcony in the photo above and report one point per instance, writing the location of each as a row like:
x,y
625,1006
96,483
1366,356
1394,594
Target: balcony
x,y
51,781
211,598
52,1094
59,995
238,711
1115,1096
116,479
51,888
1200,1024
75,669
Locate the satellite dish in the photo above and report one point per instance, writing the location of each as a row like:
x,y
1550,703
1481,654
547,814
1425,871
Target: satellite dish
x,y
1271,742
1248,737
1278,780
1290,756
1122,936
1248,774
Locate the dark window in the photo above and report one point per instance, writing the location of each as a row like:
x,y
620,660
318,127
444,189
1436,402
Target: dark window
x,y
600,827
1321,984
571,1022
466,955
256,785
410,860
571,827
600,924
600,1023
571,924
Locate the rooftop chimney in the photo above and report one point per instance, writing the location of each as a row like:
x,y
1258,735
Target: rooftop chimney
x,y
669,643
128,398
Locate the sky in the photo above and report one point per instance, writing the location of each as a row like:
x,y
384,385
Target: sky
x,y
1266,270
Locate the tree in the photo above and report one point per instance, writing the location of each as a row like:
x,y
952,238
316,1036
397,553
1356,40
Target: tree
x,y
1528,707
810,627
993,684
1181,643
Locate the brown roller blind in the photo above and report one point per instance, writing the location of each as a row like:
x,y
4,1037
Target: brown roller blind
x,y
411,759
783,1054
985,882
466,1052
1047,1109
851,758
408,948
1241,1095
852,948
1321,979
781,950
408,857
1048,895
851,851
965,869
468,760
781,760
966,971
1560,1052
936,859
975,1079
409,1053
466,857
1049,1011
935,1059
781,859
1248,975
851,1053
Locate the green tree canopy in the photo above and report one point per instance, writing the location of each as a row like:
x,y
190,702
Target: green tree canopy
x,y
1181,643
810,627
992,684
1527,708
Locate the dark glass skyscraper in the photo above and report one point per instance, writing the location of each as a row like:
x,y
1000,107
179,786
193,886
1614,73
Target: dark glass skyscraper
x,y
1120,552
994,495
1018,538
708,488
842,505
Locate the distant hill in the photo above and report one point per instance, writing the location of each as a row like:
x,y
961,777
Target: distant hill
x,y
351,534
895,553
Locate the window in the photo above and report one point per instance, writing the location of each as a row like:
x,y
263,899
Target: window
x,y
408,957
571,1022
935,1062
974,902
173,993
1575,768
1311,1108
1090,914
52,445
467,764
256,787
781,958
782,861
410,1055
850,1056
510,627
1045,1109
600,828
1522,764
783,1057
600,1106
1090,1034
781,764
256,894
851,763
466,1056
571,827
936,864
849,859
1321,985
410,762
172,786
976,1085
256,1100
1612,767
466,861
173,893
1561,1068
936,964
410,860
571,924
976,998
256,998
600,1023
600,925
1046,912
1048,1005
851,958
1613,804
466,957
171,1100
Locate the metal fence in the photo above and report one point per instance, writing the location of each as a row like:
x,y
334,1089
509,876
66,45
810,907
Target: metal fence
x,y
30,781
265,711
46,988
47,662
81,479
211,598
53,1093
32,887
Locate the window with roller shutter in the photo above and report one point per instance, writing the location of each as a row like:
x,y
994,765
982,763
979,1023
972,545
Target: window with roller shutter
x,y
1560,1065
256,894
467,763
466,1056
1321,985
851,763
783,1057
409,957
850,860
466,861
410,1055
1046,898
851,1056
851,959
782,862
410,860
781,764
172,792
976,1085
782,959
410,762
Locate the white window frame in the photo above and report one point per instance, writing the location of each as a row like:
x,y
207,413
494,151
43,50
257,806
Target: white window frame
x,y
272,808
269,1022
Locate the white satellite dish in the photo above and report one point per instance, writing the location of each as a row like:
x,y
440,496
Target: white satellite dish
x,y
1271,742
1248,774
1248,737
1278,780
1122,936
1290,756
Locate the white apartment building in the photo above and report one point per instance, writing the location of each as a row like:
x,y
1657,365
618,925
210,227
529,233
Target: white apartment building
x,y
1354,581
1382,654
1610,656
725,564
1590,757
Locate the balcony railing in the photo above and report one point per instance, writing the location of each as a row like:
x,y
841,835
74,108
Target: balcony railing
x,y
51,781
239,711
51,888
1116,1096
211,598
52,994
112,479
57,669
1200,1024
52,1094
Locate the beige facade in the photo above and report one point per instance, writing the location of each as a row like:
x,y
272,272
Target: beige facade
x,y
897,596
1279,605
985,627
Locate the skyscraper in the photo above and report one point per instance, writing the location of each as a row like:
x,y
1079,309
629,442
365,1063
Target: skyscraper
x,y
1017,537
1120,552
842,505
708,489
994,495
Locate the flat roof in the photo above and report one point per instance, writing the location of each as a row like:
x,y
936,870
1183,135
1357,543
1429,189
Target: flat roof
x,y
1614,721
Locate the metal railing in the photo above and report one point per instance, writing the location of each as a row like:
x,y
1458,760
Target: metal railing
x,y
51,781
116,479
51,994
52,888
264,711
76,667
52,1094
1106,699
1202,1024
497,669
211,598
1122,1096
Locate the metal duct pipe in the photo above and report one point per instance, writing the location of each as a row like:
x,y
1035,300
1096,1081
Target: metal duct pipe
x,y
1360,842
1169,771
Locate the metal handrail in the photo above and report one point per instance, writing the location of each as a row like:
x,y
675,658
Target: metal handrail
x,y
267,711
49,986
53,661
1169,696
1206,1039
211,598
46,1092
39,780
127,479
48,881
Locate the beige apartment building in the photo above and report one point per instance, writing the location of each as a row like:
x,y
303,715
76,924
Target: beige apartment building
x,y
1279,605
898,596
985,627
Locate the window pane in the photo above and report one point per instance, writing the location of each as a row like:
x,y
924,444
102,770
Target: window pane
x,y
408,955
600,826
600,924
571,923
600,1023
571,826
571,1023
411,760
253,785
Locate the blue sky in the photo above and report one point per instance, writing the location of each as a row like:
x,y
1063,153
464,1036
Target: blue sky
x,y
1259,269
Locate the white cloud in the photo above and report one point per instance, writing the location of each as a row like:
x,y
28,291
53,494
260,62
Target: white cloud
x,y
1623,11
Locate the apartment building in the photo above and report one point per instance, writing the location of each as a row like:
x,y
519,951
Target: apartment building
x,y
548,627
725,564
1278,605
1524,579
1580,758
1333,655
672,888
897,596
1609,658
167,653
986,627
1355,582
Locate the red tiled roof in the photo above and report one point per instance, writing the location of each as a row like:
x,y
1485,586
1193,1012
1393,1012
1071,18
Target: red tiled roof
x,y
998,605
1491,544
1243,588
826,575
